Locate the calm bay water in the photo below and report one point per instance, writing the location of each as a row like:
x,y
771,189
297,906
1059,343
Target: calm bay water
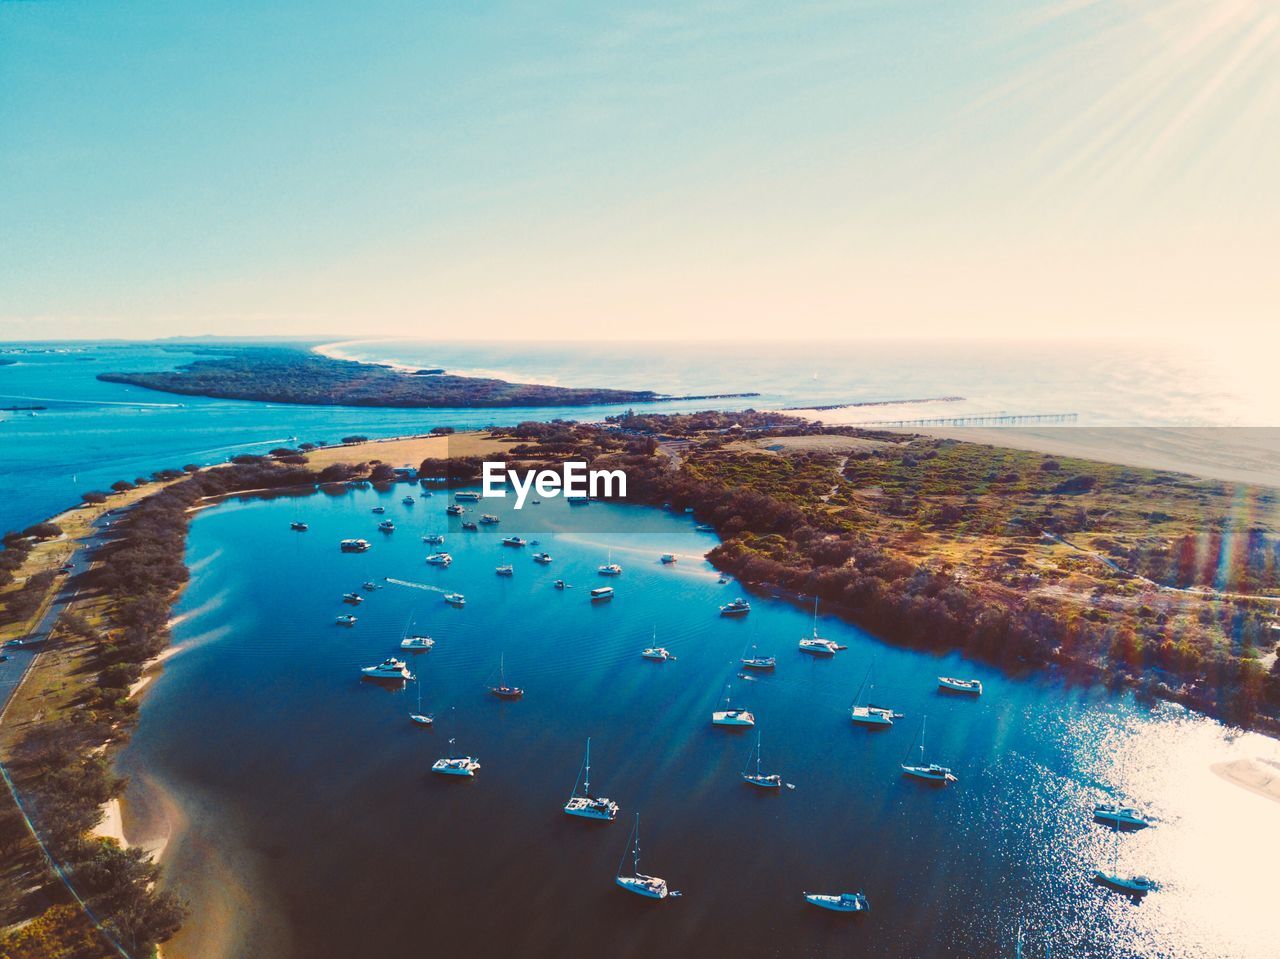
x,y
317,830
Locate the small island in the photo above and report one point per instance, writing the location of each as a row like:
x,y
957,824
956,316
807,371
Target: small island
x,y
288,375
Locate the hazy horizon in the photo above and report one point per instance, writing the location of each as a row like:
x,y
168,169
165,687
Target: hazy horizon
x,y
994,169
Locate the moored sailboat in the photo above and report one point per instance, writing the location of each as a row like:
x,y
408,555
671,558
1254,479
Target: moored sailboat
x,y
651,887
931,772
586,805
865,714
756,777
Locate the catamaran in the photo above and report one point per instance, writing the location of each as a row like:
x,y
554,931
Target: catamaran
x,y
388,669
931,772
415,643
421,718
815,645
650,887
739,607
439,559
972,686
1121,817
730,716
866,714
502,690
758,778
609,569
586,805
758,662
843,902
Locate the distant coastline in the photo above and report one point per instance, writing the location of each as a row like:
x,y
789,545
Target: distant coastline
x,y
311,378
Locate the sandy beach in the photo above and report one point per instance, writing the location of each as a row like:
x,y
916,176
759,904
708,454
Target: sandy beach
x,y
1258,777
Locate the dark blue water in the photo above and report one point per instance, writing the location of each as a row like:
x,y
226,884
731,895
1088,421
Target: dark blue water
x,y
316,829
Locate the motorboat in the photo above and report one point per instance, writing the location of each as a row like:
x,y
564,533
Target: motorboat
x,y
488,519
386,526
408,501
354,545
841,902
1121,817
346,620
456,765
507,570
515,541
467,496
601,593
379,510
370,585
388,669
300,527
354,599
455,599
434,539
971,686
469,525
543,558
453,509
417,644
558,584
668,558
739,607
439,559
584,804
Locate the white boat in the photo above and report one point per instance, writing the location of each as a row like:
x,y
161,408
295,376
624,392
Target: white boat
x,y
488,519
355,599
730,716
417,643
651,887
865,714
609,569
507,570
420,718
388,669
739,607
354,545
816,646
543,558
1122,817
842,902
455,599
386,526
660,653
930,772
453,764
346,620
467,496
434,539
758,662
439,559
668,558
370,585
408,501
601,593
453,510
1132,885
378,510
972,686
300,527
756,777
586,805
705,528
515,541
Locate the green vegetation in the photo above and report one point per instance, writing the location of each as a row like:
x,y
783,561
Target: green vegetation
x,y
282,375
1012,556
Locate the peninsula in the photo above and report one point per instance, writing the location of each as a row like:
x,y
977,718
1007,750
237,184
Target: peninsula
x,y
293,375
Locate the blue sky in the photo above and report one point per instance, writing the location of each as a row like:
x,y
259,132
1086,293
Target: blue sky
x,y
741,169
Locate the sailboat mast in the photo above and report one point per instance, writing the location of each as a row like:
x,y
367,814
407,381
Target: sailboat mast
x,y
636,849
815,617
922,725
586,783
758,753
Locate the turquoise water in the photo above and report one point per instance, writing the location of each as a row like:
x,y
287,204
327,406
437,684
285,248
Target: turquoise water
x,y
311,788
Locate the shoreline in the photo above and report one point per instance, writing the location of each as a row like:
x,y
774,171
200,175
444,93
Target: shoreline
x,y
1253,775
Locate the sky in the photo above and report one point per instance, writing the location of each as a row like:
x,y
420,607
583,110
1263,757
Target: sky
x,y
733,169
